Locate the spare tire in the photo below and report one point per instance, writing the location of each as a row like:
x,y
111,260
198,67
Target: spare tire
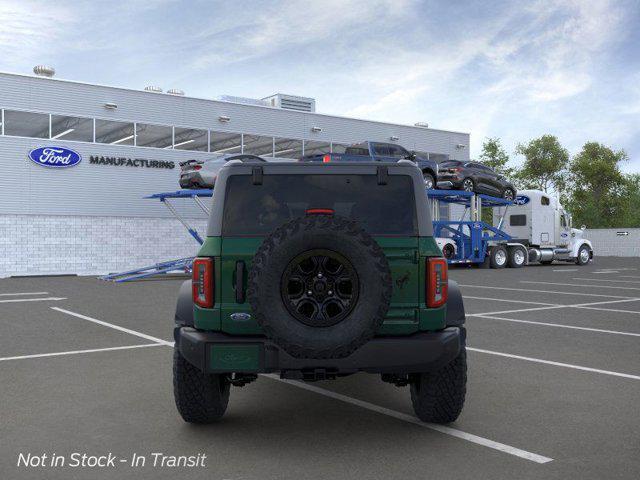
x,y
319,286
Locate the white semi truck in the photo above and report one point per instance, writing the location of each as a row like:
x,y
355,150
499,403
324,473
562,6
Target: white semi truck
x,y
543,226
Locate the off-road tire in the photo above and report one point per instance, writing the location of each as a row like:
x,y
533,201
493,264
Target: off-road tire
x,y
200,397
336,234
438,397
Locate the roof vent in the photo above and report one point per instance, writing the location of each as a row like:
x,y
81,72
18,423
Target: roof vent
x,y
153,88
176,91
44,71
422,124
292,102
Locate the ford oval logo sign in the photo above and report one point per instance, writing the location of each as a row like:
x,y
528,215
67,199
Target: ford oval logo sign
x,y
56,157
521,200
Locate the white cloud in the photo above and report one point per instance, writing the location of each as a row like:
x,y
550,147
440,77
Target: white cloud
x,y
30,28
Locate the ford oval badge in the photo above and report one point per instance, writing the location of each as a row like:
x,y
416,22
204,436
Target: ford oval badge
x,y
56,157
240,317
521,200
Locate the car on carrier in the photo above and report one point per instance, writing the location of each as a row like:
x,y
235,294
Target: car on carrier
x,y
203,173
476,177
314,272
381,152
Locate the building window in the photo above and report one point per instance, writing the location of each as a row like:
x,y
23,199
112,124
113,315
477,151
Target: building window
x,y
312,147
114,133
258,145
224,142
544,200
157,136
71,128
287,148
26,124
190,139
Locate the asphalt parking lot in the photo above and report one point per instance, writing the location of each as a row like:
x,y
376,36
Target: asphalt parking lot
x,y
554,385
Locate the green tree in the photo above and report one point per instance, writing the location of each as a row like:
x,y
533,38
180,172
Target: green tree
x,y
545,164
631,216
495,156
599,191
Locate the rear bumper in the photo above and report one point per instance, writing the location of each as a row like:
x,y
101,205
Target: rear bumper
x,y
216,352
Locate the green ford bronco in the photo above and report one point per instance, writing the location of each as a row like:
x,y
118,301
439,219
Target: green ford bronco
x,y
314,272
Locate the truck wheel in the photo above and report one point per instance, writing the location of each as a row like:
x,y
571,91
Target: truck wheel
x,y
498,257
517,257
200,397
583,255
429,181
438,397
319,286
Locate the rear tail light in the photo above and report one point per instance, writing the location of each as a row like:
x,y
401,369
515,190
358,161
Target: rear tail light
x,y
197,167
202,282
326,158
319,211
437,282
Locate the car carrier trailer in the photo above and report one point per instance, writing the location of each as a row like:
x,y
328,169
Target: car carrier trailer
x,y
470,240
534,228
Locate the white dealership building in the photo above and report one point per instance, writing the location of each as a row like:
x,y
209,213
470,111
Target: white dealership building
x,y
91,217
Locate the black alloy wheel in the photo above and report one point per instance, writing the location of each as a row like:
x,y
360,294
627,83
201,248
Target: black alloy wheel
x,y
319,288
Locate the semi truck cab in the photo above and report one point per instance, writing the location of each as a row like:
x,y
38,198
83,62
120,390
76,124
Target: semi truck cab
x,y
540,222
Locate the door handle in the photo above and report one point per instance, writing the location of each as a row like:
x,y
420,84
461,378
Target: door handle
x,y
239,285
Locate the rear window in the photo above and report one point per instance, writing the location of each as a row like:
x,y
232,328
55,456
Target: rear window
x,y
357,151
259,209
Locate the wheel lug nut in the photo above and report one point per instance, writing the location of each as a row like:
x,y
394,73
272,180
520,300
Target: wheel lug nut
x,y
319,275
330,292
309,292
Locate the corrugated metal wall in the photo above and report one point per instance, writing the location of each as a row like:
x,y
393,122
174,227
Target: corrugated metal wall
x,y
104,190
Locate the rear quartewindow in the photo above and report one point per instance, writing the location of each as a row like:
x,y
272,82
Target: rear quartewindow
x,y
259,209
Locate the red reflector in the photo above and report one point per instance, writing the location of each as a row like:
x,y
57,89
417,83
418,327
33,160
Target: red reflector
x,y
437,282
202,284
320,211
197,167
326,158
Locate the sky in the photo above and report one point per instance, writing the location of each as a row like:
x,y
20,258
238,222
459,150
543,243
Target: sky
x,y
514,70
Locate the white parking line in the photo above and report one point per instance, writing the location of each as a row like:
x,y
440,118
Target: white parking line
x,y
579,285
23,293
76,352
510,301
530,290
558,325
617,310
45,299
410,419
604,280
115,327
575,305
565,270
557,364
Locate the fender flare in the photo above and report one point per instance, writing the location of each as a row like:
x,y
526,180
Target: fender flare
x,y
184,306
455,305
578,245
